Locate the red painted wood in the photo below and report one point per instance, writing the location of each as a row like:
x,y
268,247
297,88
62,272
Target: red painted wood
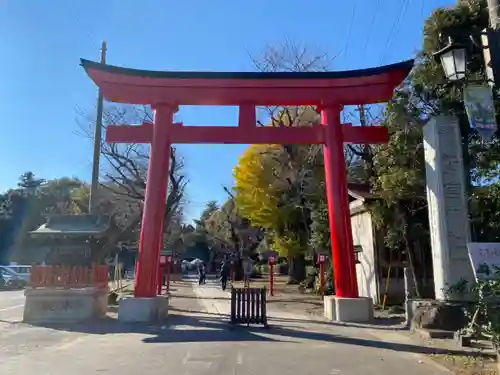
x,y
337,198
283,96
322,278
154,205
68,277
247,117
247,90
160,214
355,87
238,135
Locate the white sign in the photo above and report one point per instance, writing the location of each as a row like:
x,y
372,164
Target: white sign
x,y
484,253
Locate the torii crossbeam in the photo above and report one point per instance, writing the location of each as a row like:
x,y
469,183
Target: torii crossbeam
x,y
165,91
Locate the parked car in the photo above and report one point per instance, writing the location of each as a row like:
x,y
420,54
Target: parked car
x,y
11,279
22,270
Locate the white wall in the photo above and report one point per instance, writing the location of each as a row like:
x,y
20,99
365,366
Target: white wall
x,y
362,234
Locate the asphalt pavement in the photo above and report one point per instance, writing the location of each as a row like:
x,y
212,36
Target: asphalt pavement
x,y
202,343
11,305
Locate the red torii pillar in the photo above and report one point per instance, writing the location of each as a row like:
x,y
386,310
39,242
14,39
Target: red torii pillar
x,y
338,204
151,238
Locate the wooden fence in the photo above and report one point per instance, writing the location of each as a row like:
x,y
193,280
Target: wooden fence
x,y
248,306
68,277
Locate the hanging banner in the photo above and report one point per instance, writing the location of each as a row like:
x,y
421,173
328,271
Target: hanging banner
x,y
479,105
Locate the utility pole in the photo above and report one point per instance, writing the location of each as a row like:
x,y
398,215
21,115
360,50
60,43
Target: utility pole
x,y
93,196
366,153
494,11
490,40
362,117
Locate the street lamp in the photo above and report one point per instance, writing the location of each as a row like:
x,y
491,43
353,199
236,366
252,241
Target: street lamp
x,y
478,98
454,60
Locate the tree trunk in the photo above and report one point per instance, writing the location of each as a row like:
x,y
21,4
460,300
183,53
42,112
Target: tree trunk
x,y
409,251
296,269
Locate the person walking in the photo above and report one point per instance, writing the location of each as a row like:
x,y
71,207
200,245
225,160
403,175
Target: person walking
x,y
224,274
201,273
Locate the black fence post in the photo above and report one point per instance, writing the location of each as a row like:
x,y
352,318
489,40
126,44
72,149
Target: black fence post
x,y
248,306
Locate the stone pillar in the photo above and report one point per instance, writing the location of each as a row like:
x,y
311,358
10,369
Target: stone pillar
x,y
447,203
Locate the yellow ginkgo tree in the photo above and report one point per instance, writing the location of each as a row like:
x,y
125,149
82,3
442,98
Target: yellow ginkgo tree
x,y
263,182
255,186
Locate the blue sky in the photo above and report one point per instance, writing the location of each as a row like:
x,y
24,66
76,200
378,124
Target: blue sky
x,y
42,84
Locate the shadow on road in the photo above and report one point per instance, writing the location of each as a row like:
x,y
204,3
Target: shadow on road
x,y
215,328
382,324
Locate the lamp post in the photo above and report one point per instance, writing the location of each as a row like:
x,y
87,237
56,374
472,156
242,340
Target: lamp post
x,y
454,56
478,97
453,59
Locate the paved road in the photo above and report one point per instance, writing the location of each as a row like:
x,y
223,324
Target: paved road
x,y
11,305
203,344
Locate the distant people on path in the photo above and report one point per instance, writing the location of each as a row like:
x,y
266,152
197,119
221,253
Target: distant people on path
x,y
224,274
247,271
202,273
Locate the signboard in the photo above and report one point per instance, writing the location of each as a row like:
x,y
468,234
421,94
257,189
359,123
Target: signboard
x,y
176,254
479,105
322,258
323,251
483,254
271,259
268,254
165,259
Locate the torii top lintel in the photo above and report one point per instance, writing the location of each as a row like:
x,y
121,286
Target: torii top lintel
x,y
365,86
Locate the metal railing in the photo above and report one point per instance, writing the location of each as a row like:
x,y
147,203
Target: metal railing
x,y
248,306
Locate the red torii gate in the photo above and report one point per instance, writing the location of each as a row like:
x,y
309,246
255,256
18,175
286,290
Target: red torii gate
x,y
165,91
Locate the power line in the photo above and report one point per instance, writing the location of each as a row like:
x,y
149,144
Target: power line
x,y
402,8
349,33
372,24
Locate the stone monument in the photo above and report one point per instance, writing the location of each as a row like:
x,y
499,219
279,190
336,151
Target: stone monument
x,y
447,204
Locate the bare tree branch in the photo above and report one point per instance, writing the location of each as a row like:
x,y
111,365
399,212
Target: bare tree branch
x,y
124,171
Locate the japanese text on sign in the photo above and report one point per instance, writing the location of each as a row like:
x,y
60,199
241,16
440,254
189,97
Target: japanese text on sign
x,y
484,254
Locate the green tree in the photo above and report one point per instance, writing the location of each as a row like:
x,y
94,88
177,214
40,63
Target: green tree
x,y
399,166
200,233
28,181
399,179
